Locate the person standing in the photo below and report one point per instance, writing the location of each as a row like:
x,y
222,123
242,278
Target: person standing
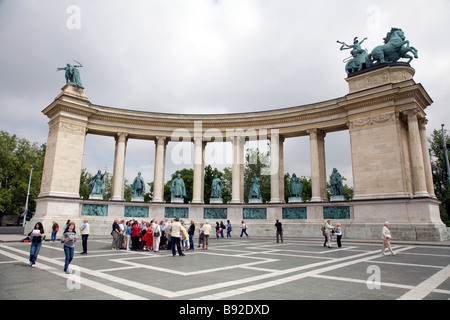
x,y
36,235
201,236
116,235
222,227
279,227
338,233
328,232
244,228
386,236
191,233
217,230
127,238
175,231
135,234
84,231
69,237
55,229
206,231
156,235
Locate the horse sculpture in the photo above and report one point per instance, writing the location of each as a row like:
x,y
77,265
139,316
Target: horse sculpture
x,y
394,48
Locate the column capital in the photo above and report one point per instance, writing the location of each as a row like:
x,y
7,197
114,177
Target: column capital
x,y
121,135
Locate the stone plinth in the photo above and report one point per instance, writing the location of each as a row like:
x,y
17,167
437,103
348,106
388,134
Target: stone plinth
x,y
337,198
379,76
295,200
137,199
410,219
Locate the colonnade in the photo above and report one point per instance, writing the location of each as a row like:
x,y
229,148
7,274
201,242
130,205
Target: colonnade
x,y
420,164
384,113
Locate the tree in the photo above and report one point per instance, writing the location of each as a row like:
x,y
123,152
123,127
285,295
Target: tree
x,y
440,176
16,158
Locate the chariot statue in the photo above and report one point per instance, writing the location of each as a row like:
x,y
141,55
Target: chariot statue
x,y
395,47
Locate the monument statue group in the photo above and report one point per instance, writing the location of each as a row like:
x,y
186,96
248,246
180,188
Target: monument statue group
x,y
394,48
402,194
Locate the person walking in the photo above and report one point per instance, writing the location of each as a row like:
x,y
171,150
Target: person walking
x,y
175,231
244,228
206,232
69,238
229,228
338,233
386,236
55,229
84,231
201,236
36,235
279,228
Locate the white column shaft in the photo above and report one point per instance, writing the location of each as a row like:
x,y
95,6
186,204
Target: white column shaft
x,y
119,167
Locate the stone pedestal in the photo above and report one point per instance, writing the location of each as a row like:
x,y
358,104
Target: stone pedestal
x,y
295,200
216,201
337,198
254,201
137,199
176,200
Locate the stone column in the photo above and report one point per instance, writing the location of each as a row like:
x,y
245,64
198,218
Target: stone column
x,y
274,167
197,193
322,165
426,158
281,170
237,191
415,147
160,164
315,165
119,167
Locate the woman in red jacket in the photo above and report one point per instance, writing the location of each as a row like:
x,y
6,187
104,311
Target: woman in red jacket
x,y
135,235
147,238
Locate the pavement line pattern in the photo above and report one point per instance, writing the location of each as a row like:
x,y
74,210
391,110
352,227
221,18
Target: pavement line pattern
x,y
265,264
86,282
426,287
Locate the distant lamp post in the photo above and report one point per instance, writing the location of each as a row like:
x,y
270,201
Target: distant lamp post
x,y
28,195
444,145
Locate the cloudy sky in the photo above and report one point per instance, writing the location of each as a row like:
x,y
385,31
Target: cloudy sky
x,y
205,56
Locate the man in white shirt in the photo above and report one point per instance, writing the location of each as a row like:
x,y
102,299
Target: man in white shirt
x,y
84,230
175,231
386,235
206,232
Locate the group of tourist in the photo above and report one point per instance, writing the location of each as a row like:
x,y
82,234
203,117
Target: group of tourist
x,y
175,235
328,231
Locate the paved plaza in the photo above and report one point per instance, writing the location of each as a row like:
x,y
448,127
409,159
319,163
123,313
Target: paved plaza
x,y
231,269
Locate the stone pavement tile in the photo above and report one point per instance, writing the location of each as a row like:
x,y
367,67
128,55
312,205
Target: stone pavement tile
x,y
245,269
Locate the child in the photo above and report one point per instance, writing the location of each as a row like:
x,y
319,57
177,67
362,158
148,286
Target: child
x,y
69,238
